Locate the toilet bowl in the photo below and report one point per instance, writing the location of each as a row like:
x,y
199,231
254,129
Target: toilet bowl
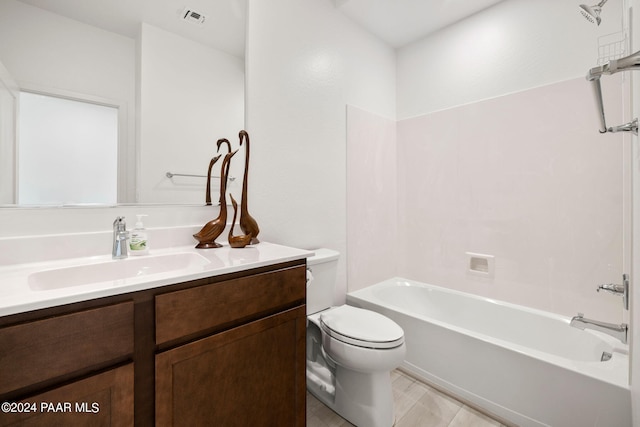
x,y
350,351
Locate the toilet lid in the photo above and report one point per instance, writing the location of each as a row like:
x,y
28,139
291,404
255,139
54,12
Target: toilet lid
x,y
363,328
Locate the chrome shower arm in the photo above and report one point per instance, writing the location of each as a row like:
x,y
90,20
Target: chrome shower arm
x,y
630,62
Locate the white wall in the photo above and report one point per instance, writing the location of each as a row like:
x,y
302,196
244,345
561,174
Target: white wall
x,y
191,95
305,63
512,46
44,49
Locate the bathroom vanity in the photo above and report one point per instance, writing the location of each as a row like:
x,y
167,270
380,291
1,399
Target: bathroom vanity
x,y
218,344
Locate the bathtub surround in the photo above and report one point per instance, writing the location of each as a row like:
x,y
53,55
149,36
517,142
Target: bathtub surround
x,y
493,177
527,179
372,214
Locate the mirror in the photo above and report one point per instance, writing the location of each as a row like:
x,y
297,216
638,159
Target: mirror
x,y
175,75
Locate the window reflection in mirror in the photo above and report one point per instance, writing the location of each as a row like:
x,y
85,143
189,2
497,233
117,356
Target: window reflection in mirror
x,y
67,152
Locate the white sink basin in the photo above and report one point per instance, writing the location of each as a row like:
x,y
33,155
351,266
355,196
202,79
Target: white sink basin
x,y
114,270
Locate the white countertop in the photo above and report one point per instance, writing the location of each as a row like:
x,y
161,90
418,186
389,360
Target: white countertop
x,y
17,295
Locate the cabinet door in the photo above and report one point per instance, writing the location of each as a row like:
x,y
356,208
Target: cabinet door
x,y
252,375
105,399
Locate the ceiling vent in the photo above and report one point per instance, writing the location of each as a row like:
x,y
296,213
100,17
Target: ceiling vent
x,y
192,16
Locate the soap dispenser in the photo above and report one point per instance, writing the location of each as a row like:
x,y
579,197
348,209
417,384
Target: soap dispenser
x,y
138,241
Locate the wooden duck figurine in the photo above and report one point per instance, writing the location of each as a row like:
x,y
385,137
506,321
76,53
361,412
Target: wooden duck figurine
x,y
237,241
248,225
211,230
208,191
218,144
224,141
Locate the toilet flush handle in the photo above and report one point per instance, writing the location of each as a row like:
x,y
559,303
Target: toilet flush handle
x,y
309,276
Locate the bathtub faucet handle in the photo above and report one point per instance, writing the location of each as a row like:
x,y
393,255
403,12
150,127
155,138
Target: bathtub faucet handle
x,y
611,288
622,290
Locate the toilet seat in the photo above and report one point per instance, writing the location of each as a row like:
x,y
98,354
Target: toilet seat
x,y
361,328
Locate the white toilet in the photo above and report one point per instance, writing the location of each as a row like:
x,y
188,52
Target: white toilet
x,y
350,351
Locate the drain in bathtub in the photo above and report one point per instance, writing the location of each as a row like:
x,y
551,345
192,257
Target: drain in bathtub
x,y
605,356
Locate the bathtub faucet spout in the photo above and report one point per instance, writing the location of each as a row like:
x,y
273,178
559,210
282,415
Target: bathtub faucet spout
x,y
616,331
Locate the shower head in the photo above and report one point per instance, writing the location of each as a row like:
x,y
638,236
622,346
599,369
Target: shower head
x,y
592,13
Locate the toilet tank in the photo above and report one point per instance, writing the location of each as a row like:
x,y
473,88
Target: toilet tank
x,y
323,266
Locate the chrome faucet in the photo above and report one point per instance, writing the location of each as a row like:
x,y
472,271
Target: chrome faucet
x,y
616,331
120,236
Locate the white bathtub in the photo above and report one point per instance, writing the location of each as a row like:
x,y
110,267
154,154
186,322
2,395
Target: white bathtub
x,y
524,365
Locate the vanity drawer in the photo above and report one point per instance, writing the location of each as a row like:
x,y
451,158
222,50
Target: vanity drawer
x,y
104,399
45,349
225,304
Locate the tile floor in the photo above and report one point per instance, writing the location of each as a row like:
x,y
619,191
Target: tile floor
x,y
416,405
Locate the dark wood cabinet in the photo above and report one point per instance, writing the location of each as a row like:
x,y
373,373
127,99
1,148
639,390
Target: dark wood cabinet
x,y
226,350
246,376
104,399
71,368
50,348
236,353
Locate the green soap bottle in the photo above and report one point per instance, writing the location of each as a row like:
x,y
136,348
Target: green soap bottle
x,y
138,241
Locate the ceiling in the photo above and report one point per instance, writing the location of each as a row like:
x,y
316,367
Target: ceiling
x,y
396,22
399,22
223,28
